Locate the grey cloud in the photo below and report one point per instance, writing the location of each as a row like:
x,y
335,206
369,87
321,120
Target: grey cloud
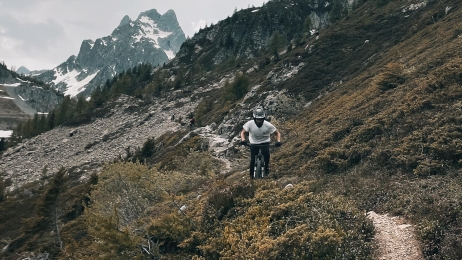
x,y
66,23
40,35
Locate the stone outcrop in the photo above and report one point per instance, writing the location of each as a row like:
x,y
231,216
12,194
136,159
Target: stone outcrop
x,y
21,99
245,33
38,98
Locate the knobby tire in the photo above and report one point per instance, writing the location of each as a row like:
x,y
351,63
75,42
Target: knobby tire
x,y
258,172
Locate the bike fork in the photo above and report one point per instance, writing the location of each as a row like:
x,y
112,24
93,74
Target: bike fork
x,y
259,167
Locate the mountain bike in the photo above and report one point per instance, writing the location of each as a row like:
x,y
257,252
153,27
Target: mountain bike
x,y
259,167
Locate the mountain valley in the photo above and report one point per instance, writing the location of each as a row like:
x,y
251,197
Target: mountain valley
x,y
366,95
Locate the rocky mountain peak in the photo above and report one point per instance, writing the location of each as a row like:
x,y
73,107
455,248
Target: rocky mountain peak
x,y
168,21
152,38
23,70
125,20
152,14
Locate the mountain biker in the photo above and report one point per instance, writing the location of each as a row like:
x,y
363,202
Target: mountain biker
x,y
259,131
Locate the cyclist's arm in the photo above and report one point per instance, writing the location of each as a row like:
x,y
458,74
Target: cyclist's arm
x,y
243,133
277,134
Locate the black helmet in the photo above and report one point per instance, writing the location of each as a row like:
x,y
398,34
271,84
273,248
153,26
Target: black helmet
x,y
258,112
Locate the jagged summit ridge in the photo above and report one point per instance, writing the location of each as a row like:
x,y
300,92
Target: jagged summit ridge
x,y
125,20
151,38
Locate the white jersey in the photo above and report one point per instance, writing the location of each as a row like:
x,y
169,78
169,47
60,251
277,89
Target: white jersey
x,y
258,135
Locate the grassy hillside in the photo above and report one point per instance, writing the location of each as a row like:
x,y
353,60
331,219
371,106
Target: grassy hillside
x,y
389,135
381,131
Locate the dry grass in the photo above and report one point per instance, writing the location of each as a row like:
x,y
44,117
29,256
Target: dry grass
x,y
388,139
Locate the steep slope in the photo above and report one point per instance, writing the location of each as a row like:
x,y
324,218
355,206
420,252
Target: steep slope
x,y
389,122
248,33
10,114
19,101
151,38
392,87
6,77
22,97
369,112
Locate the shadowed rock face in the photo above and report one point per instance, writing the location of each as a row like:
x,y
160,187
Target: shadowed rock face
x,y
39,99
20,100
246,33
21,103
10,114
151,38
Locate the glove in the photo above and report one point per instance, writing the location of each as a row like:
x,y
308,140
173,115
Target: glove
x,y
243,143
278,144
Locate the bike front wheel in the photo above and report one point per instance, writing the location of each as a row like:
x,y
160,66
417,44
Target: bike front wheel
x,y
259,165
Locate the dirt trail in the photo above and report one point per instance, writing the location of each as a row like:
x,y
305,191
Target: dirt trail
x,y
394,238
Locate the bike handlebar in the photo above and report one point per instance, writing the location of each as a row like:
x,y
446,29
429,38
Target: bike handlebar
x,y
249,144
260,145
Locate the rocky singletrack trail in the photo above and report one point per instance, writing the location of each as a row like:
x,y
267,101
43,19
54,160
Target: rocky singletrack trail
x,y
394,238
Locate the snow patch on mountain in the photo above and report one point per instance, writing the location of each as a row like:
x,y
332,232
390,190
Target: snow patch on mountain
x,y
75,86
12,85
79,86
149,30
170,54
5,133
152,38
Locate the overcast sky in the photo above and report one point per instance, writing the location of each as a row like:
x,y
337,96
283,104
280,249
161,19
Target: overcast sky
x,y
41,34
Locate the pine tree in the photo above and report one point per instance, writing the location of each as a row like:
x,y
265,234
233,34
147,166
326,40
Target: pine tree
x,y
237,89
51,120
2,147
35,126
307,25
276,44
80,106
43,123
336,12
62,114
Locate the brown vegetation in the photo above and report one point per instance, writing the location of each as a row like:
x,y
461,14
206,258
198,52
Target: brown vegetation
x,y
384,135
